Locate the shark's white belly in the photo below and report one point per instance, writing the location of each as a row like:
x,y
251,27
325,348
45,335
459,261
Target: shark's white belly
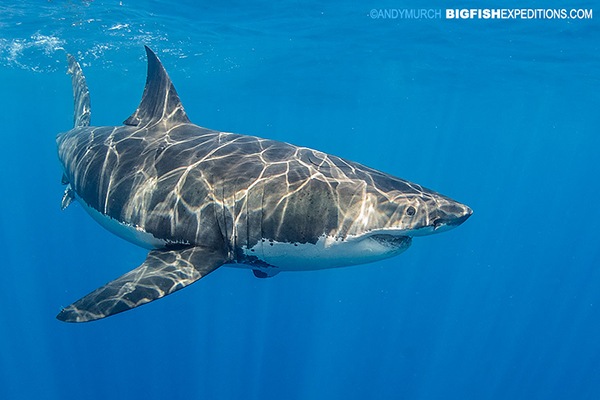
x,y
128,232
327,252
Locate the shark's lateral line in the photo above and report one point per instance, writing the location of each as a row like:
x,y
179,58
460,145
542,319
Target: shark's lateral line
x,y
199,199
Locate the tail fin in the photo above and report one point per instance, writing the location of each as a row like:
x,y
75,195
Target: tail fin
x,y
81,94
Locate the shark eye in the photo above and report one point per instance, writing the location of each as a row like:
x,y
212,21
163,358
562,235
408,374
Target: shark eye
x,y
410,211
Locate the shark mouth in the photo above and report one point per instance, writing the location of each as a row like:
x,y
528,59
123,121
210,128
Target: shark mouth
x,y
391,241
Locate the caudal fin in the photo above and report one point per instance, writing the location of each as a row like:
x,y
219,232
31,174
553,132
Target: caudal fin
x,y
81,94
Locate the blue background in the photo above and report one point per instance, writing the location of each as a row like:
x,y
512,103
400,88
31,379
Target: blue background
x,y
502,115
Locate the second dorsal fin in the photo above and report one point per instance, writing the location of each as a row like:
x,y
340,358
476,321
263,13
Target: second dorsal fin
x,y
160,100
81,94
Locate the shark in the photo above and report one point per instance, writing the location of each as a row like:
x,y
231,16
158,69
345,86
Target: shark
x,y
199,199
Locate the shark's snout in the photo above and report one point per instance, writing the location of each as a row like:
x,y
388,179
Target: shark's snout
x,y
446,218
438,217
452,220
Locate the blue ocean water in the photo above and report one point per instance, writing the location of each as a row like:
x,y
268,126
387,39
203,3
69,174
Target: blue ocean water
x,y
502,115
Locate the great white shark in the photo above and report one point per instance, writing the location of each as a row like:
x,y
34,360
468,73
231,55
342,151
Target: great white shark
x,y
200,199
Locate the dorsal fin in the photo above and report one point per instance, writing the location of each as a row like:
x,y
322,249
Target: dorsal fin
x,y
81,94
160,100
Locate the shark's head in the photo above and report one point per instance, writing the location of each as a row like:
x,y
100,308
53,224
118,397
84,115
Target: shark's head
x,y
421,214
388,219
375,219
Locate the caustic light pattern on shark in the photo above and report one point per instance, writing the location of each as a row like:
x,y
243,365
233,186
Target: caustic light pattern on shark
x,y
200,199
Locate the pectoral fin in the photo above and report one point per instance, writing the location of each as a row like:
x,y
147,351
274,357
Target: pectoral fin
x,y
68,198
163,272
